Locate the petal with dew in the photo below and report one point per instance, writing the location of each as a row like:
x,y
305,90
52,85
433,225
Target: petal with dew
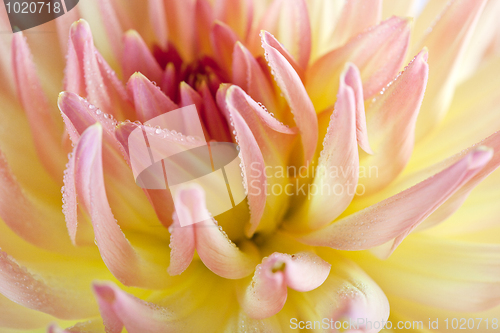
x,y
138,58
248,74
391,121
297,98
347,128
214,248
182,246
87,74
395,217
258,133
267,292
120,257
369,51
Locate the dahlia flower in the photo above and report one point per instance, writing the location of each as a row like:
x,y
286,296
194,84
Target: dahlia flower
x,y
367,143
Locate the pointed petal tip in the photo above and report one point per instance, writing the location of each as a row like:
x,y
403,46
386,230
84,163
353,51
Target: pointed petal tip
x,y
80,29
104,292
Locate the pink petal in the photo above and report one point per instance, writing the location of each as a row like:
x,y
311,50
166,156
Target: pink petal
x,y
182,246
78,115
392,117
248,74
296,96
149,101
356,16
370,52
138,58
215,249
116,251
33,220
169,81
340,152
223,39
397,216
274,139
457,199
112,25
158,18
87,74
237,14
289,21
204,21
266,295
45,129
63,24
182,26
352,294
255,176
212,117
34,292
446,41
272,41
120,310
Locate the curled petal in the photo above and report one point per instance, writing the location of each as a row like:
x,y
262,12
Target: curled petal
x,y
391,122
215,249
248,74
369,51
138,58
397,216
118,254
455,27
272,41
340,150
182,246
266,295
296,96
